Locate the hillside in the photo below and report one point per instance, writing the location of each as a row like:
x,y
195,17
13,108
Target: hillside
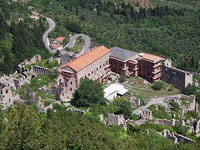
x,y
20,36
140,3
168,30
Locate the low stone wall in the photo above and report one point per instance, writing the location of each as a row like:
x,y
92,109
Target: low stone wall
x,y
165,122
41,70
177,138
78,111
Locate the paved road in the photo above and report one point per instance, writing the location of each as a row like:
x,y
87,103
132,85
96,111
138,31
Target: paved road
x,y
153,101
71,42
45,36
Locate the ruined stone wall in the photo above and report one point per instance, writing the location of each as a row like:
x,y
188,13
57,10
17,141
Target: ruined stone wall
x,y
116,119
41,70
178,78
167,122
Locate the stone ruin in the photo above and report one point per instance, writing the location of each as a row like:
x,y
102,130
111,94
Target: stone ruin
x,y
33,60
66,57
177,99
41,70
146,114
7,96
77,111
197,128
178,78
166,122
117,120
42,108
176,138
134,102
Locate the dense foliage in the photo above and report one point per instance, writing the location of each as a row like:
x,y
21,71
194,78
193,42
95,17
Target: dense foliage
x,y
21,127
20,37
89,93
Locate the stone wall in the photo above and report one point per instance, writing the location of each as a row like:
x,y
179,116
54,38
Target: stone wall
x,y
178,78
96,70
165,122
177,138
42,108
116,119
147,114
78,111
41,70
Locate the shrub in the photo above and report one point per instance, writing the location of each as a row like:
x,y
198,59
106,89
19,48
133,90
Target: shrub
x,y
158,86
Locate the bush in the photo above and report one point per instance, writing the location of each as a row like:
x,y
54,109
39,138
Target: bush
x,y
175,106
158,86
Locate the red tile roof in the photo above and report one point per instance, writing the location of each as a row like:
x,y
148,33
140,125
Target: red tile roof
x,y
59,39
55,46
87,58
150,57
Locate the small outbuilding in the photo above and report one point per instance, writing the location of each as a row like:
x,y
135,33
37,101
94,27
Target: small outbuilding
x,y
114,90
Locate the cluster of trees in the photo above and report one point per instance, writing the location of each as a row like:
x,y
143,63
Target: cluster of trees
x,y
89,93
21,127
20,39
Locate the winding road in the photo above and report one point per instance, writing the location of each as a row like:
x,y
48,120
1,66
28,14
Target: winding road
x,y
72,41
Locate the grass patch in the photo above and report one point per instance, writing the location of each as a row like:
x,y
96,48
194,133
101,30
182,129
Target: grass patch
x,y
48,64
143,90
159,112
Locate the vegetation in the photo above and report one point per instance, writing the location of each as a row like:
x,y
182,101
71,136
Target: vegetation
x,y
36,83
47,64
158,86
21,127
193,90
142,90
89,93
175,106
19,40
124,108
159,112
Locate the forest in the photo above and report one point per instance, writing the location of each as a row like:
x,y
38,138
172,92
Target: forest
x,y
20,37
171,31
22,127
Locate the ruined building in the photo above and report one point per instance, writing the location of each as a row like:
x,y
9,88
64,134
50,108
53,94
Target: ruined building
x,y
178,78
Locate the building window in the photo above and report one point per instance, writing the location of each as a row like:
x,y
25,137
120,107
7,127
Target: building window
x,y
100,66
6,91
97,69
70,89
88,74
92,72
71,82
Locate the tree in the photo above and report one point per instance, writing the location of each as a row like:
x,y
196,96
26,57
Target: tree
x,y
90,92
190,89
124,108
20,128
